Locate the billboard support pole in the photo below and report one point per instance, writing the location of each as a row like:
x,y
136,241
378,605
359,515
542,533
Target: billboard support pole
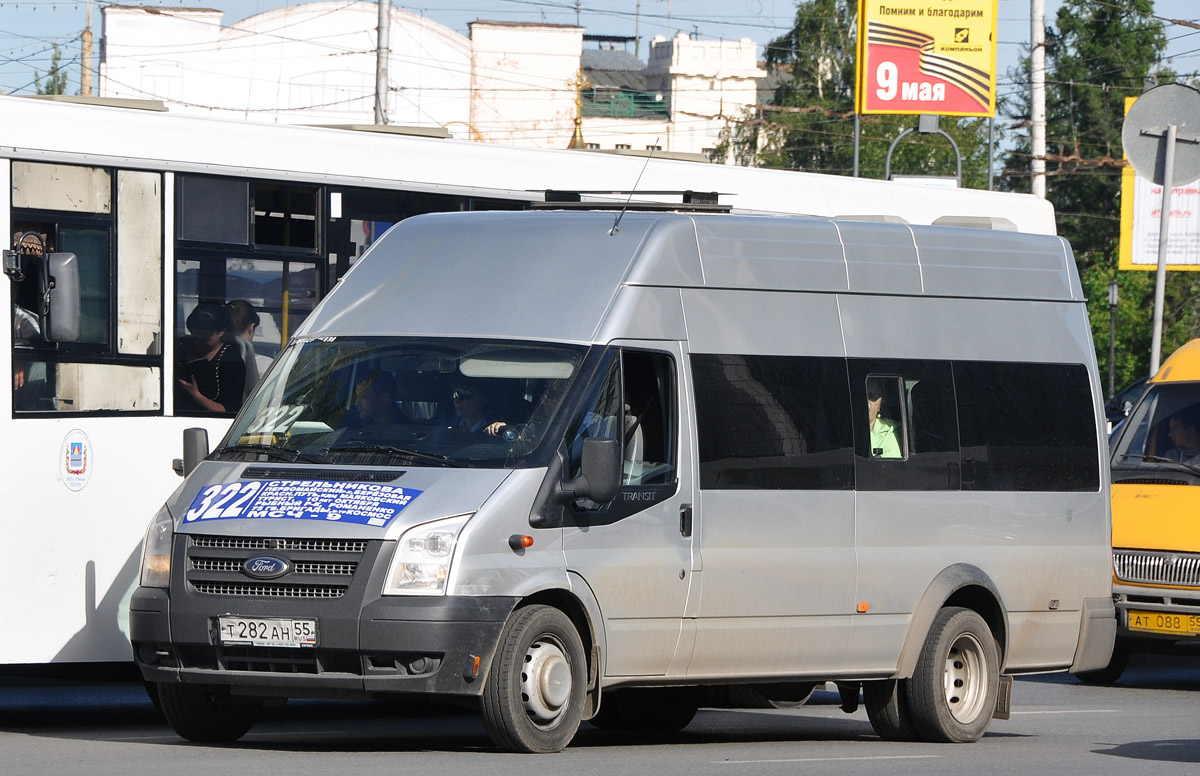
x,y
992,152
857,140
1164,227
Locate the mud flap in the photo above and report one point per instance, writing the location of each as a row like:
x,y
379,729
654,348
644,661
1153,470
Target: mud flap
x,y
1003,698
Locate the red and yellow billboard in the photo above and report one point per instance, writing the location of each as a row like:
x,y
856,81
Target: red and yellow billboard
x,y
927,56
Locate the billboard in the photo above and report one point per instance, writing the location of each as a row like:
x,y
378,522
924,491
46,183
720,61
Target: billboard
x,y
1141,204
927,56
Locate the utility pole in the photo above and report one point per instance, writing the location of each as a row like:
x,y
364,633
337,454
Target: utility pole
x,y
637,23
85,70
382,34
1037,73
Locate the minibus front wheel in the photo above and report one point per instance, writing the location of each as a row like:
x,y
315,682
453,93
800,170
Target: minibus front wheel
x,y
952,692
533,697
198,713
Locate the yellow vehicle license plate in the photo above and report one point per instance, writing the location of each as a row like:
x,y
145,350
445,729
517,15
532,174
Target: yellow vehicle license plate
x,y
1165,622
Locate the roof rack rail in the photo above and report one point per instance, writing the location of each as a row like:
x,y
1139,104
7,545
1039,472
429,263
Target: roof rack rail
x,y
689,201
106,102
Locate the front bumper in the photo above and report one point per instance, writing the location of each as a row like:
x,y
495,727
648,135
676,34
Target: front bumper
x,y
367,644
1181,605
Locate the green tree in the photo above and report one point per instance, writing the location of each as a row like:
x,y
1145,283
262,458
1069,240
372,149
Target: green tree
x,y
56,78
1097,55
811,123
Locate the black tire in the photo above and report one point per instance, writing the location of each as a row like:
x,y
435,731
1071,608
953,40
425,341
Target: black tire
x,y
197,715
609,716
659,709
533,696
152,691
887,708
1111,672
648,709
952,693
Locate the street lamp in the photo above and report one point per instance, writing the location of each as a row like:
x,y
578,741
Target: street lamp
x,y
1113,297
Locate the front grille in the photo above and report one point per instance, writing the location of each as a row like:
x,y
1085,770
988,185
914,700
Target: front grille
x,y
306,545
268,591
1157,568
331,569
318,569
270,660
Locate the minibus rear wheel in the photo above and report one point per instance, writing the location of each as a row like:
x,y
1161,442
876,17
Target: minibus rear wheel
x,y
533,697
198,714
952,692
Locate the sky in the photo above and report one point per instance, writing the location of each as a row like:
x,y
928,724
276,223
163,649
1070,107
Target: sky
x,y
29,28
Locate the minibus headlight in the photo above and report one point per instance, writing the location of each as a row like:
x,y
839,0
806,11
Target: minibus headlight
x,y
156,550
421,564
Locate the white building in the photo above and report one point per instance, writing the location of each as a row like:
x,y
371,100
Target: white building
x,y
510,83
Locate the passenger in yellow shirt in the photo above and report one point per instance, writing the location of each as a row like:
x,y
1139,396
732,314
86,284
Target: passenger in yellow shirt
x,y
885,434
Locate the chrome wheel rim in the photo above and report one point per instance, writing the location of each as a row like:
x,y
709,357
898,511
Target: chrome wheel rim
x,y
965,679
546,682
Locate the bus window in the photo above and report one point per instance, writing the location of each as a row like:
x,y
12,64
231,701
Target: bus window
x,y
109,364
283,293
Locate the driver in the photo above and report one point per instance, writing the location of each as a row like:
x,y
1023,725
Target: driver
x,y
473,407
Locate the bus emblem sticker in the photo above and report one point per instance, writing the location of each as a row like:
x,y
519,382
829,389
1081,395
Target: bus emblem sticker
x,y
75,460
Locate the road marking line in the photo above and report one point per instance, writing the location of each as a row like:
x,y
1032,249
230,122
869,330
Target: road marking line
x,y
829,759
1071,711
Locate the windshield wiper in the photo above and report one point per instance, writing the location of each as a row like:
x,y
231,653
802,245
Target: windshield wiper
x,y
399,452
292,455
1194,469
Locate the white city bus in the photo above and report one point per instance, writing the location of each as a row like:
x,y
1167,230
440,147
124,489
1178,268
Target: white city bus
x,y
144,215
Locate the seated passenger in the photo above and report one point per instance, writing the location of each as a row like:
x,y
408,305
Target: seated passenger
x,y
1184,430
885,437
376,403
211,376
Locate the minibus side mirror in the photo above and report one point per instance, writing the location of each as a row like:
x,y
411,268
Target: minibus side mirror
x,y
195,450
600,475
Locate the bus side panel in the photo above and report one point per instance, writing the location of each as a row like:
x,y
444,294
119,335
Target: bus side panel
x,y
1045,553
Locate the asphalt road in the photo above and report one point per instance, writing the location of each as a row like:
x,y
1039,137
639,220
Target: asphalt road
x,y
1148,724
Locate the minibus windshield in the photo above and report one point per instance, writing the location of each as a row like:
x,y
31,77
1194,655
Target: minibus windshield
x,y
382,401
1163,432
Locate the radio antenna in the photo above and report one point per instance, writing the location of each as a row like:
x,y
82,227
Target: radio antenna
x,y
617,223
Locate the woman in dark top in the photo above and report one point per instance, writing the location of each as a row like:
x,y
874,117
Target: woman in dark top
x,y
210,374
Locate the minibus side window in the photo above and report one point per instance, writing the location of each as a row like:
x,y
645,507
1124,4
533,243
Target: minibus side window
x,y
914,442
634,403
773,422
1026,426
649,419
598,420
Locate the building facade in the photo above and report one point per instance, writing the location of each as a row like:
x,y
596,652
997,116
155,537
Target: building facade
x,y
512,83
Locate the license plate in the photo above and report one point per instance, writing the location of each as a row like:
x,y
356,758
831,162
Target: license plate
x,y
1165,622
267,631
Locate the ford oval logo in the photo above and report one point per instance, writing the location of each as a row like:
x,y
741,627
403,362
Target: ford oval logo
x,y
265,567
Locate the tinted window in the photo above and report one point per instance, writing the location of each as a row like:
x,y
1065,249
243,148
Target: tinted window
x,y
1026,427
916,399
773,422
214,210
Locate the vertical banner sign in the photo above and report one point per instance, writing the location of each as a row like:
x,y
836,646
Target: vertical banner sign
x,y
927,56
1141,204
